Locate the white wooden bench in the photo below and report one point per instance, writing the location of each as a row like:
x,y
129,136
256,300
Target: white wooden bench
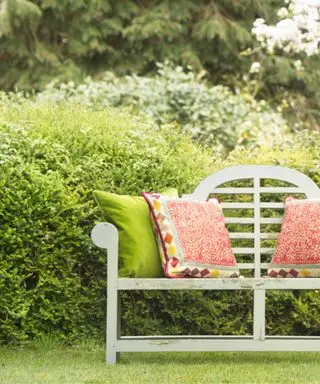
x,y
105,236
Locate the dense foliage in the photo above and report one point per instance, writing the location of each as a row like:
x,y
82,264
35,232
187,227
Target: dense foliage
x,y
45,39
51,158
53,279
42,39
212,115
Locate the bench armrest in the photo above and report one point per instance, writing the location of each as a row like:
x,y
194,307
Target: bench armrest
x,y
105,235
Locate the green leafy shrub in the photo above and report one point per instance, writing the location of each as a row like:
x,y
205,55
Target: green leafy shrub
x,y
211,114
51,158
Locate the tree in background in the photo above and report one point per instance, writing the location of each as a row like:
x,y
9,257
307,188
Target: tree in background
x,y
42,39
45,39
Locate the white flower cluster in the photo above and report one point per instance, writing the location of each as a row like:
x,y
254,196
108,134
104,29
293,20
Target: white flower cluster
x,y
255,67
297,31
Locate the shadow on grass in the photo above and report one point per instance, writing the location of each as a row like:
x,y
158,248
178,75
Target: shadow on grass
x,y
227,358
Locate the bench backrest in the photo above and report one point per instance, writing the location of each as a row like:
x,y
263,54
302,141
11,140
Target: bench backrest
x,y
258,205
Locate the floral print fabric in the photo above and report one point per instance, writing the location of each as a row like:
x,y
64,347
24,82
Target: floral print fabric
x,y
298,248
192,237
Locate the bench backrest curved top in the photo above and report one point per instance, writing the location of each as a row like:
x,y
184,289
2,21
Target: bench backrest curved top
x,y
259,228
257,172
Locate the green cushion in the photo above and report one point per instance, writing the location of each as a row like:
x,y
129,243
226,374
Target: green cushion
x,y
138,250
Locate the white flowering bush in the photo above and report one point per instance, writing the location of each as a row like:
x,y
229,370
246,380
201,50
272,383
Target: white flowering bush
x,y
255,67
213,115
286,62
297,31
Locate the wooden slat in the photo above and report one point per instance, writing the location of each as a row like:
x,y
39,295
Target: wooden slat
x,y
251,235
220,284
249,251
245,265
251,205
239,220
241,235
187,337
257,245
233,191
252,265
218,344
267,250
271,220
250,220
268,235
243,251
281,190
214,337
272,205
237,205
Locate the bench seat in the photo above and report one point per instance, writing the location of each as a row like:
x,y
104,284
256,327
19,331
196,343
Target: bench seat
x,y
220,284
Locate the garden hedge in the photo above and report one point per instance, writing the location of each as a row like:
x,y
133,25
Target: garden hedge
x,y
51,159
52,278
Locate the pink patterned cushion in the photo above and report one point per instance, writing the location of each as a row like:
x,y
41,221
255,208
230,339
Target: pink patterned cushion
x,y
192,237
298,248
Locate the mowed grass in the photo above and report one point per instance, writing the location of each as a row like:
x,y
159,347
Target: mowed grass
x,y
85,365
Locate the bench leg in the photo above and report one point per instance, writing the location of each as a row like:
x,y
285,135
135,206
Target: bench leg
x,y
113,326
259,310
112,357
110,237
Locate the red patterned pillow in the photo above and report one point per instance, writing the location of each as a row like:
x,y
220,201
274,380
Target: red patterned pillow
x,y
298,248
192,236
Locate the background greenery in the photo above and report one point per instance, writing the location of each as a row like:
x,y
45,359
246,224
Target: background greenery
x,y
48,38
52,155
212,115
67,40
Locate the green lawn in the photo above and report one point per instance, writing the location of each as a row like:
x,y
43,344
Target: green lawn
x,y
85,365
